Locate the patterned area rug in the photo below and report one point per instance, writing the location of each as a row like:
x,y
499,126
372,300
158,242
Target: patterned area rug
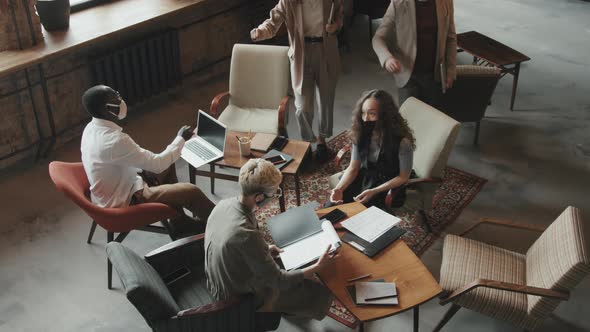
x,y
456,191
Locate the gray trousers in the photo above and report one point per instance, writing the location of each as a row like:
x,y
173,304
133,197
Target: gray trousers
x,y
316,86
309,299
423,87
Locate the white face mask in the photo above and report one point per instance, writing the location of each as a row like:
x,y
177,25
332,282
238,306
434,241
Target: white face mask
x,y
122,110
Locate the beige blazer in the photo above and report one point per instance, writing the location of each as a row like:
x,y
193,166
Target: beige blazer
x,y
396,36
291,13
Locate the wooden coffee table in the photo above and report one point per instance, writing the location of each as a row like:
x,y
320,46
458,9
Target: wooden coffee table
x,y
233,159
397,263
487,51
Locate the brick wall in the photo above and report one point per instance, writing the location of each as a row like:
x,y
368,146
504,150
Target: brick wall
x,y
204,45
8,31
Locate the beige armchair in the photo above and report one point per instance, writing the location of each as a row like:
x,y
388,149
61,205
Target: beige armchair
x,y
435,135
258,86
520,289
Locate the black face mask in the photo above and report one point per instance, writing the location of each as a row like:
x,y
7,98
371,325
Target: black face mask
x,y
368,127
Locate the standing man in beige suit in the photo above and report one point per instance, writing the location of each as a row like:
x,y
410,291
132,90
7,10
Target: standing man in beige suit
x,y
417,43
315,61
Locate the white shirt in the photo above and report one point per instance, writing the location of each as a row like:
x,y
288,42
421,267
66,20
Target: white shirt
x,y
313,18
112,159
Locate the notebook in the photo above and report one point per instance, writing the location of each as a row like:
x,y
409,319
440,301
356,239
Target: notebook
x,y
373,290
208,143
373,248
262,141
302,236
370,224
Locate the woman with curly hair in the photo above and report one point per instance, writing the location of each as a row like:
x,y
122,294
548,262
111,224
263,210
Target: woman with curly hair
x,y
382,153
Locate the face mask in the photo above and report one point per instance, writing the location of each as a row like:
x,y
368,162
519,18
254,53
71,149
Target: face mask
x,y
368,126
122,110
260,204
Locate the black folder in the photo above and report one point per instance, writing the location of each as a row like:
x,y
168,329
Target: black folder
x,y
373,248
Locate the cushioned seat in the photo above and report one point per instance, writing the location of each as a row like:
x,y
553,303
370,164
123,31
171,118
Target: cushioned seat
x,y
258,120
184,304
521,289
191,291
465,260
258,90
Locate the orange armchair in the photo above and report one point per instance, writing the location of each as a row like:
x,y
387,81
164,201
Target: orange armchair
x,y
71,180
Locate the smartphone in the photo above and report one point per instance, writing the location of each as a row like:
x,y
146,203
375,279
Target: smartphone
x,y
335,216
276,159
279,143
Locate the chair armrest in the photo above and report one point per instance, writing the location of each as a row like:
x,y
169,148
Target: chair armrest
x,y
214,110
187,252
283,115
212,307
341,154
393,192
507,286
505,223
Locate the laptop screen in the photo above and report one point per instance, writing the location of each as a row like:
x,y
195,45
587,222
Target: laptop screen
x,y
211,131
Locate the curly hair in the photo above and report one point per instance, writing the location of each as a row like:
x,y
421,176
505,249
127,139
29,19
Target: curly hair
x,y
388,119
257,176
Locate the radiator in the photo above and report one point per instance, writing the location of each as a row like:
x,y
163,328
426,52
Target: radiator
x,y
140,70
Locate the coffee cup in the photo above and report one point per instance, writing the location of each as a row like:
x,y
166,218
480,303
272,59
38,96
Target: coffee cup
x,y
244,146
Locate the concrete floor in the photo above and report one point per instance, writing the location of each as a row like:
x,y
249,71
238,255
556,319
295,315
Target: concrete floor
x,y
537,161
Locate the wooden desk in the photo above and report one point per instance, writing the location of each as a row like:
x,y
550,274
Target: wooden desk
x,y
397,263
233,159
487,51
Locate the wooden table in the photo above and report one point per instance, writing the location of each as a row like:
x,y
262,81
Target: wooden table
x,y
487,51
233,159
397,263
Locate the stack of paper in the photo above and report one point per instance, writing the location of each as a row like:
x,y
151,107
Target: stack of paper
x,y
371,223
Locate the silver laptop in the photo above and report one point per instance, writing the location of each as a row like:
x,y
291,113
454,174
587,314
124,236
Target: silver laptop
x,y
208,143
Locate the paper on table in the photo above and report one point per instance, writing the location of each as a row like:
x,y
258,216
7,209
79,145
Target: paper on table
x,y
311,248
371,223
368,289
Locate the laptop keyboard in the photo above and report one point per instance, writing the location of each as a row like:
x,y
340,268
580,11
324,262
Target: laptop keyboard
x,y
201,151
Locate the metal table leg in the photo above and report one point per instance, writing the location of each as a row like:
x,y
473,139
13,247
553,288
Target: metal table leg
x,y
515,72
416,318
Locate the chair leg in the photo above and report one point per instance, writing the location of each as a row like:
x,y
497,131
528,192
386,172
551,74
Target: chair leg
x,y
476,138
212,170
425,220
110,237
91,234
448,315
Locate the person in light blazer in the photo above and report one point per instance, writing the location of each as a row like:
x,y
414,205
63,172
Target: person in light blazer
x,y
417,43
312,26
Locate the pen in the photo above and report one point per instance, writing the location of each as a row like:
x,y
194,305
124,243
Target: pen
x,y
359,277
380,297
239,141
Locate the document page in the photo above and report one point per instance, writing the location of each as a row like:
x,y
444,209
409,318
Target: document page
x,y
371,223
311,248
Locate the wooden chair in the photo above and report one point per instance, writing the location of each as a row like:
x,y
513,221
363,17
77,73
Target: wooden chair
x,y
71,180
169,289
258,86
470,95
520,289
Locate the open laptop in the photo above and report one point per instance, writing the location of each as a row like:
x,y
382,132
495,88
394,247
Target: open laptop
x,y
208,143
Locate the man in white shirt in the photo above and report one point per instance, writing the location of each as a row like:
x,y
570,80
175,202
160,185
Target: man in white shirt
x,y
112,161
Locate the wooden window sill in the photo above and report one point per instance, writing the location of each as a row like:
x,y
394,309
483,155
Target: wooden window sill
x,y
91,26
